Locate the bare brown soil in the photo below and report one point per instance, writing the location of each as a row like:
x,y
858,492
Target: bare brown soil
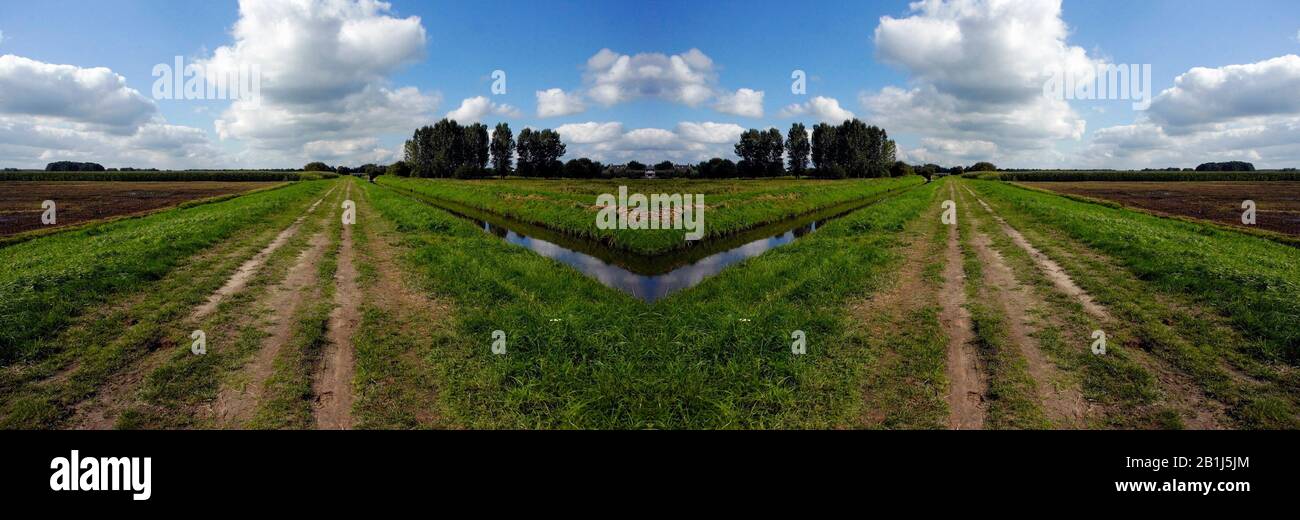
x,y
333,384
240,279
1061,399
1277,202
1054,272
965,378
78,202
238,400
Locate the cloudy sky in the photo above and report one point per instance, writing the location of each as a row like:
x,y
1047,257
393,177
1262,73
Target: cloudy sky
x,y
346,81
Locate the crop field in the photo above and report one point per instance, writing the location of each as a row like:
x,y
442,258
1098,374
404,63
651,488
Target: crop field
x,y
273,310
1278,202
82,201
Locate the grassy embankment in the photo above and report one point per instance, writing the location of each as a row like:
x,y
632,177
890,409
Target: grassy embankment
x,y
569,206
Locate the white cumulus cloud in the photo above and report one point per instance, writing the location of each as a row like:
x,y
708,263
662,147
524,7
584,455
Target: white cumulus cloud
x,y
94,96
688,142
556,102
52,112
977,69
473,109
1248,112
825,109
689,78
324,76
743,102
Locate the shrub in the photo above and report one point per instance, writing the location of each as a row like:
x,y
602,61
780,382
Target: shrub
x,y
469,171
70,166
399,169
900,169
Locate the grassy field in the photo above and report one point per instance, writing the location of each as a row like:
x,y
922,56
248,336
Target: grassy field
x,y
909,322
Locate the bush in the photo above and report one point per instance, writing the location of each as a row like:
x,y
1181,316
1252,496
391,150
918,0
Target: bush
x,y
1230,166
982,167
399,169
317,167
833,171
468,171
70,166
900,169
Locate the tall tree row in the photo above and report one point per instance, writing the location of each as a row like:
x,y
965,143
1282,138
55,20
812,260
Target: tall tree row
x,y
539,153
448,149
761,153
852,149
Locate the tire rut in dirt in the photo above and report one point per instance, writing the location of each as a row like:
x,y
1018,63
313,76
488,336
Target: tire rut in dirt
x,y
101,411
1061,400
237,402
332,385
965,378
1197,409
240,279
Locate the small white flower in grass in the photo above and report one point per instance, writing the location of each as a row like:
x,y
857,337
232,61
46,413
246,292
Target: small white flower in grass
x,y
553,320
746,320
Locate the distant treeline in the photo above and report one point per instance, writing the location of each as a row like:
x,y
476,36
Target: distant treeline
x,y
1116,175
165,176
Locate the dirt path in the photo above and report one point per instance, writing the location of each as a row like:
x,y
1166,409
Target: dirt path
x,y
240,279
1054,272
1197,409
101,411
966,380
1061,399
238,399
333,383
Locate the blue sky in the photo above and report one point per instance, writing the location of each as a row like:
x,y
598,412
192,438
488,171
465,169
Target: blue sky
x,y
431,57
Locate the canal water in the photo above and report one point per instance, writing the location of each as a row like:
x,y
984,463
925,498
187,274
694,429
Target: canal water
x,y
649,278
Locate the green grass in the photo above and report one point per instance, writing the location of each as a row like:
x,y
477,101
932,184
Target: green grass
x,y
51,280
906,347
714,356
569,206
395,384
